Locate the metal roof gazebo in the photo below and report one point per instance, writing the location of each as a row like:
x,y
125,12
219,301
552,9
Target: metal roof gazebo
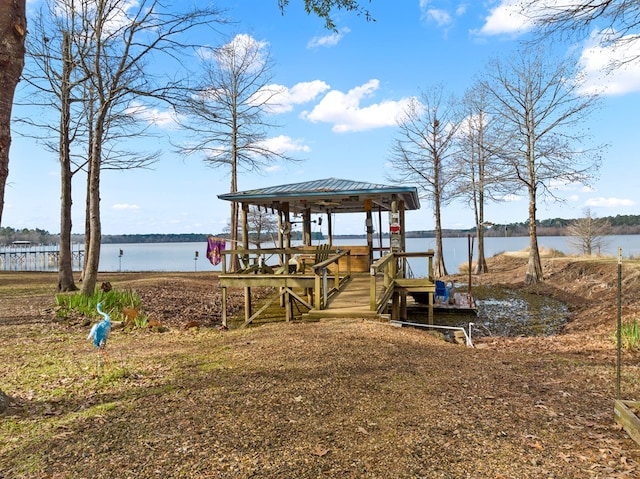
x,y
323,197
329,196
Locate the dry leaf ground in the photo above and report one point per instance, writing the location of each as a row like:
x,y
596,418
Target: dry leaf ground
x,y
336,398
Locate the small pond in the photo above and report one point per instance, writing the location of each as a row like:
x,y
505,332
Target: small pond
x,y
508,312
505,312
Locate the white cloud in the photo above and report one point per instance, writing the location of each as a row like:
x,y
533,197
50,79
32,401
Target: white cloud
x,y
280,99
328,40
596,61
441,16
125,207
461,9
244,47
346,113
609,202
506,18
510,198
153,116
284,144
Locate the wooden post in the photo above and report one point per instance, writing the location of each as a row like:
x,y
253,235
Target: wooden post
x,y
403,236
306,227
245,225
431,295
369,224
329,228
247,303
245,246
224,307
287,304
380,231
395,306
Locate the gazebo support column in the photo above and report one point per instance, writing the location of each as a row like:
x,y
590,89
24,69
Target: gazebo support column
x,y
245,246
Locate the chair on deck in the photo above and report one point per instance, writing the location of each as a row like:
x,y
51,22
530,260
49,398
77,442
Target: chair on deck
x,y
322,254
441,291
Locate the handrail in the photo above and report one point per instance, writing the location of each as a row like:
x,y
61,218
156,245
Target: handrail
x,y
388,265
321,286
284,253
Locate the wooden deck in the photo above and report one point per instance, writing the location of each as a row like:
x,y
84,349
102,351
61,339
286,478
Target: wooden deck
x,y
332,289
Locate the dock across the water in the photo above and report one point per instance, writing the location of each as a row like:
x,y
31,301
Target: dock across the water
x,y
23,256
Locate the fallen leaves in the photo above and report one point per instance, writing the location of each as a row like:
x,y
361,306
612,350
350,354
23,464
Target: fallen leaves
x,y
327,399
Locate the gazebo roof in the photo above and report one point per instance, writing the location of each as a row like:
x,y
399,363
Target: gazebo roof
x,y
328,195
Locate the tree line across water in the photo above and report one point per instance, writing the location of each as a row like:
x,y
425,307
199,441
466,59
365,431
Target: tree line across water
x,y
619,225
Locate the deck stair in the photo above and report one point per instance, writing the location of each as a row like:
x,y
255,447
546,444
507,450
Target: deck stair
x,y
352,302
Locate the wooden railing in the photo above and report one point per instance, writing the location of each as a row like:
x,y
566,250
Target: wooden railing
x,y
321,272
388,269
326,277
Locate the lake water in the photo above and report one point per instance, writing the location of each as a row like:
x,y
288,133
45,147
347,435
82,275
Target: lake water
x,y
182,256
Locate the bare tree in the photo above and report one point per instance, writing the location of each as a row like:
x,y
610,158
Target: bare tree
x,y
588,234
123,36
263,226
423,152
478,173
537,102
227,116
13,29
52,79
59,81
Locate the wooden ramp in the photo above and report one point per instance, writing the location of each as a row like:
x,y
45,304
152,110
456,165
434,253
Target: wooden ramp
x,y
352,302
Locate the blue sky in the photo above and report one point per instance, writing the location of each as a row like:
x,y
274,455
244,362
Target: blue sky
x,y
342,93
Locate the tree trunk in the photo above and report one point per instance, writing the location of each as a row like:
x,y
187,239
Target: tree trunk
x,y
13,28
481,263
65,260
92,259
439,268
234,261
534,267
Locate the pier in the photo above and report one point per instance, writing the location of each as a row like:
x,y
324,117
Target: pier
x,y
23,256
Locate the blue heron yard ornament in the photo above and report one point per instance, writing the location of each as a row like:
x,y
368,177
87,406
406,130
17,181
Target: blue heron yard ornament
x,y
100,332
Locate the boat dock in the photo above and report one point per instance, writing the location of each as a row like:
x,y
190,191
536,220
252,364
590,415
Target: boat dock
x,y
23,256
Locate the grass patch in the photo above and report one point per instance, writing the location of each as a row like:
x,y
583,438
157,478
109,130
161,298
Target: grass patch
x,y
629,335
119,305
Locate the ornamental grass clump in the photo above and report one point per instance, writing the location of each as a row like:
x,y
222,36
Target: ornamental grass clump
x,y
629,334
116,303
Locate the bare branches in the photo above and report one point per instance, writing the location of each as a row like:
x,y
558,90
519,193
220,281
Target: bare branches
x,y
423,153
617,21
540,112
589,234
227,112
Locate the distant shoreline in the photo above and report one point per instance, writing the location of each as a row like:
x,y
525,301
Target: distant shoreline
x,y
619,225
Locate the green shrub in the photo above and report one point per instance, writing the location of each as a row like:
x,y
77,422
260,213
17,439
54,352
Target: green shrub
x,y
629,335
112,301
